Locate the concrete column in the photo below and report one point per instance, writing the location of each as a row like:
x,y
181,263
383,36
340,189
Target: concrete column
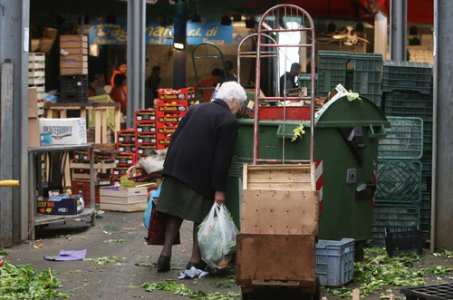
x,y
136,26
14,47
442,194
380,34
398,30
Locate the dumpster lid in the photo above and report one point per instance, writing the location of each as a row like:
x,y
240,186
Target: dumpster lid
x,y
356,113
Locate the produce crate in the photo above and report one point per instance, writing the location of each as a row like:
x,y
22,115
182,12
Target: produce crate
x,y
74,88
409,104
392,216
83,187
407,76
146,150
398,181
425,213
146,138
143,127
126,136
145,115
403,240
404,140
335,262
126,147
359,72
174,95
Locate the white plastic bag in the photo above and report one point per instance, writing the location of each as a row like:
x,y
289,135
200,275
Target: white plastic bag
x,y
217,237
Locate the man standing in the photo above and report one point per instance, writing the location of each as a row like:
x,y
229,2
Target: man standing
x,y
288,80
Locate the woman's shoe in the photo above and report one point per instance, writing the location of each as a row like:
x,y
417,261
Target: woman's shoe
x,y
199,265
163,263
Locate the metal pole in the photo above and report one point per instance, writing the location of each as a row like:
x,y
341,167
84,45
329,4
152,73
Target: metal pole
x,y
398,30
179,56
14,46
136,16
380,34
442,179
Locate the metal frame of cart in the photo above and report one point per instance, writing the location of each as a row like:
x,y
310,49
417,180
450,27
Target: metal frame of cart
x,y
35,219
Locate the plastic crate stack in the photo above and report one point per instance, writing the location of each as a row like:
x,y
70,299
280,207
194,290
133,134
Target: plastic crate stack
x,y
407,92
37,73
74,68
172,106
104,165
359,72
126,155
145,132
399,177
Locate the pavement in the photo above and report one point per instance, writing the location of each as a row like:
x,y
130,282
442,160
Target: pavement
x,y
123,280
122,235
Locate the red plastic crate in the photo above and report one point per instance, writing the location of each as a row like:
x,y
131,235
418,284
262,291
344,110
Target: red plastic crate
x,y
164,141
173,95
125,159
126,136
162,147
166,130
292,113
176,106
126,147
146,150
120,170
163,136
145,115
83,187
143,127
145,138
169,120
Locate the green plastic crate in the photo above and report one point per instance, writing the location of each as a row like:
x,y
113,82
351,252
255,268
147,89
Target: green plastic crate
x,y
366,73
425,213
392,216
408,104
407,76
404,140
398,181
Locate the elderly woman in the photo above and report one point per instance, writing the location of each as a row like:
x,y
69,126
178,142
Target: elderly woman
x,y
196,167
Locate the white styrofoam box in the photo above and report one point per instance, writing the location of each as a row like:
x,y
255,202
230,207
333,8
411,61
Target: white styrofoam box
x,y
70,131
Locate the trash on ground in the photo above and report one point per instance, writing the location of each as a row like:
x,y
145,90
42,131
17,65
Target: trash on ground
x,y
68,255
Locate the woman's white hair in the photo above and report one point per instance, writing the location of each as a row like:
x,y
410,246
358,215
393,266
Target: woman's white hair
x,y
231,90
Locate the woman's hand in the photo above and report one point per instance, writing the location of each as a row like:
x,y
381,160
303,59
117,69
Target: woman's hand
x,y
219,197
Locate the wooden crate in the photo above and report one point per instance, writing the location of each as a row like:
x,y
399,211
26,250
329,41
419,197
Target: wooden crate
x,y
279,226
278,177
279,212
276,260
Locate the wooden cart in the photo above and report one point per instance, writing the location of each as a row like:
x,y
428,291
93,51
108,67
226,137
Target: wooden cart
x,y
279,208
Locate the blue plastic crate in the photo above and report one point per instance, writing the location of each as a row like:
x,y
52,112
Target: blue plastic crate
x,y
392,216
407,76
403,140
399,181
335,262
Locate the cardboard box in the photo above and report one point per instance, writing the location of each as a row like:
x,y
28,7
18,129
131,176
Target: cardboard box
x,y
67,206
33,133
73,71
70,131
32,103
116,198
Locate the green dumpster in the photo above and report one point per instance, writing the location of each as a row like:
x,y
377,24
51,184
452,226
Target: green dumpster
x,y
346,141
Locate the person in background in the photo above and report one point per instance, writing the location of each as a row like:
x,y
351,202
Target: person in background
x,y
208,84
153,81
96,85
120,69
117,94
228,74
196,167
92,86
288,80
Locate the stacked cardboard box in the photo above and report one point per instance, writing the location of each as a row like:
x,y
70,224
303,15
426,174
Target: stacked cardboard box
x,y
74,55
37,72
172,106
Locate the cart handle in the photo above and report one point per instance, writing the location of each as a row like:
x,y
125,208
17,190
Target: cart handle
x,y
10,183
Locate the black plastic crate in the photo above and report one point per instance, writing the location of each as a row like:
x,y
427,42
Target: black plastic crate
x,y
407,76
74,88
403,240
429,292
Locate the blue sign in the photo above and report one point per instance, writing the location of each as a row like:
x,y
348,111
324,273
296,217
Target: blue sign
x,y
116,34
